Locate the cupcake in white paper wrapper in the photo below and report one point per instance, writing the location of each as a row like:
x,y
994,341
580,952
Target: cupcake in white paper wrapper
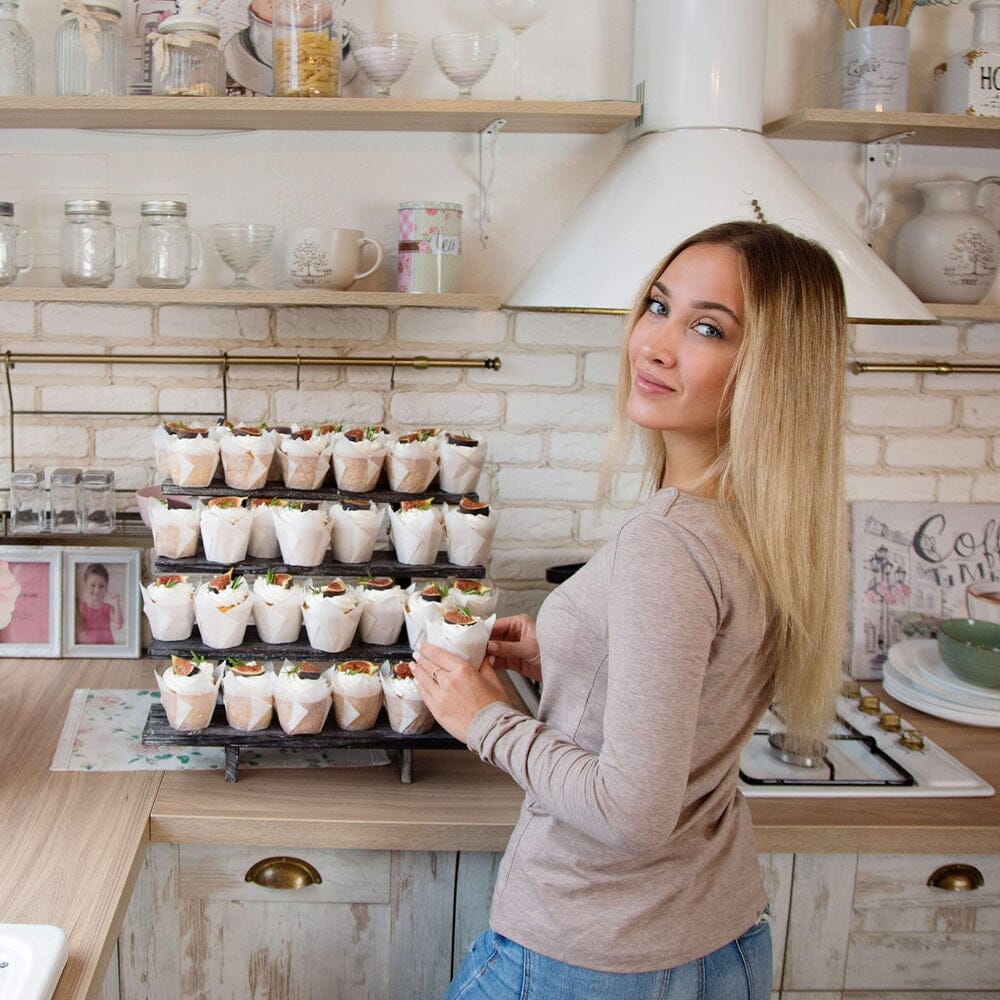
x,y
246,453
459,632
189,690
277,607
168,603
358,457
280,433
412,462
356,527
304,459
301,698
461,459
162,449
194,456
416,601
480,597
248,694
403,703
225,529
176,527
469,530
222,609
416,532
357,693
303,531
331,615
382,616
263,542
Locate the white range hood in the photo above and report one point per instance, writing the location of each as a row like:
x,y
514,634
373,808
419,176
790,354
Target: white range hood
x,y
698,158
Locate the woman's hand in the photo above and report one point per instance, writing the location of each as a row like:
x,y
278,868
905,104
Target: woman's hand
x,y
453,689
513,646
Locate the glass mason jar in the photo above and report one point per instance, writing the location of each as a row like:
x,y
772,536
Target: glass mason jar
x,y
64,499
187,58
92,247
97,501
15,246
167,250
306,49
27,501
90,49
17,54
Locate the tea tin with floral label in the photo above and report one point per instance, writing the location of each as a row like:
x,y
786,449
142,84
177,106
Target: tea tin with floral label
x,y
430,246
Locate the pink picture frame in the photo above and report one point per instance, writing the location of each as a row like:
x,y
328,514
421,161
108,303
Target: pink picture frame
x,y
30,601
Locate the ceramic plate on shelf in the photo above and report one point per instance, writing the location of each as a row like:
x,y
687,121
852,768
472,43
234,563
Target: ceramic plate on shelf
x,y
920,663
902,689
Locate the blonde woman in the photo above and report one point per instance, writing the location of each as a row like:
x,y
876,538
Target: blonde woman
x,y
632,871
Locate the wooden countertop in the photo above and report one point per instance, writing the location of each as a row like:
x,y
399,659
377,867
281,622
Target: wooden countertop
x,y
74,841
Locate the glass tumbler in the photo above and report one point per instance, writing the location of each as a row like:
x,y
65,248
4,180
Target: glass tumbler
x,y
306,49
15,246
90,50
92,247
17,54
64,499
27,501
97,501
167,250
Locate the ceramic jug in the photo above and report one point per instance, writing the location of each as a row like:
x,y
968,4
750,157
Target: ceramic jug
x,y
949,252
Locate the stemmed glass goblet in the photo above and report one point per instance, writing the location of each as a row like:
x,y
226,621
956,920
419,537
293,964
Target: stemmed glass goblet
x,y
518,15
465,57
384,57
242,245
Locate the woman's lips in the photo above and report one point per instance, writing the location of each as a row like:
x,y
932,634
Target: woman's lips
x,y
644,383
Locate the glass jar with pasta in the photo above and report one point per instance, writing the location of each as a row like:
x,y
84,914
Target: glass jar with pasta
x,y
306,49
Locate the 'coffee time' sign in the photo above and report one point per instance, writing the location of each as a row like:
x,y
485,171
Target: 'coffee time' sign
x,y
911,565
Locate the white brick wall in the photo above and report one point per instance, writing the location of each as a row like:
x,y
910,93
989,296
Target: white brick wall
x,y
545,415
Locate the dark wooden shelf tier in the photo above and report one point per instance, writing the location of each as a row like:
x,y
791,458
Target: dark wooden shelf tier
x,y
157,732
383,563
254,648
329,491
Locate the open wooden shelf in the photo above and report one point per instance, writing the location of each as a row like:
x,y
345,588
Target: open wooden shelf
x,y
251,297
836,125
985,312
340,114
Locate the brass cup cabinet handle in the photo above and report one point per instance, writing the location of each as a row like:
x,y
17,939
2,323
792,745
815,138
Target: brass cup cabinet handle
x,y
957,878
283,873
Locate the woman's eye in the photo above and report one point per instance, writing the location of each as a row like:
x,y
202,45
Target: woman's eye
x,y
707,329
657,307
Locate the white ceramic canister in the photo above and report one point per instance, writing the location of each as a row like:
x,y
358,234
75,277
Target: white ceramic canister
x,y
969,83
875,68
430,246
949,252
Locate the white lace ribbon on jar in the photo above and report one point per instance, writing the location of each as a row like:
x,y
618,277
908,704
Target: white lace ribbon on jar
x,y
163,43
89,21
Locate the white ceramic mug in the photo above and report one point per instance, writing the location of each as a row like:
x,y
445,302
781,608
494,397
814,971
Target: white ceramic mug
x,y
327,258
874,68
982,601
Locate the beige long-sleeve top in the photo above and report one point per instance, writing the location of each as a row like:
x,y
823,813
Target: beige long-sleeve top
x,y
634,849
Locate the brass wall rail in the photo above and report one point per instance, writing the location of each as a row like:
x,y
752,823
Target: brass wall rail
x,y
224,360
925,367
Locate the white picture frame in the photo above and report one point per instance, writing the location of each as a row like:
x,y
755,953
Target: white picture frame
x,y
101,603
30,601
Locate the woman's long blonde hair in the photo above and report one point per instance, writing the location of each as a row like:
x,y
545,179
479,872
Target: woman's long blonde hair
x,y
778,472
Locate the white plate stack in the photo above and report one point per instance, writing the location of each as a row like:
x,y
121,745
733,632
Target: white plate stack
x,y
915,674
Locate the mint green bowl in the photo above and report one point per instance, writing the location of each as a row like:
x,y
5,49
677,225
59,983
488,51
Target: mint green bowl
x,y
971,650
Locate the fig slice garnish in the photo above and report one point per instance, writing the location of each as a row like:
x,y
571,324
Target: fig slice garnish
x,y
251,669
222,581
433,593
379,583
183,667
461,440
467,506
171,580
357,667
472,586
335,588
349,504
424,503
458,616
402,670
226,503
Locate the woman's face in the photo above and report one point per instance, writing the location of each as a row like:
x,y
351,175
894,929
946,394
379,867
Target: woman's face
x,y
683,346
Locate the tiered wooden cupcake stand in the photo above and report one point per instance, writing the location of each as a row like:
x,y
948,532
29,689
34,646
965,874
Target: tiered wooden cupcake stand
x,y
400,747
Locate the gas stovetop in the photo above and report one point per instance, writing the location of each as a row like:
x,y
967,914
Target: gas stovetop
x,y
868,753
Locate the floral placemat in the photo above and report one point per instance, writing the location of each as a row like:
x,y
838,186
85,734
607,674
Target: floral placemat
x,y
103,732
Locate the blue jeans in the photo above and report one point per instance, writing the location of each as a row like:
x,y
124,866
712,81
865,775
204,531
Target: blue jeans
x,y
498,969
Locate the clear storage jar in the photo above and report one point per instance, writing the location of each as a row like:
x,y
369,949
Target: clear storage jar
x,y
90,49
27,501
97,501
64,499
187,57
306,49
167,251
91,246
15,246
17,54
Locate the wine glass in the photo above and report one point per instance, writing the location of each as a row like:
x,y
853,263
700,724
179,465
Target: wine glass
x,y
465,57
242,245
518,15
384,57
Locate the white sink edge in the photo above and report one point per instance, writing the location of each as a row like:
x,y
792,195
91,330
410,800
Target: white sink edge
x,y
36,955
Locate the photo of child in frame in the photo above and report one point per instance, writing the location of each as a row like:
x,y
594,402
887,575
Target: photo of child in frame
x,y
99,615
